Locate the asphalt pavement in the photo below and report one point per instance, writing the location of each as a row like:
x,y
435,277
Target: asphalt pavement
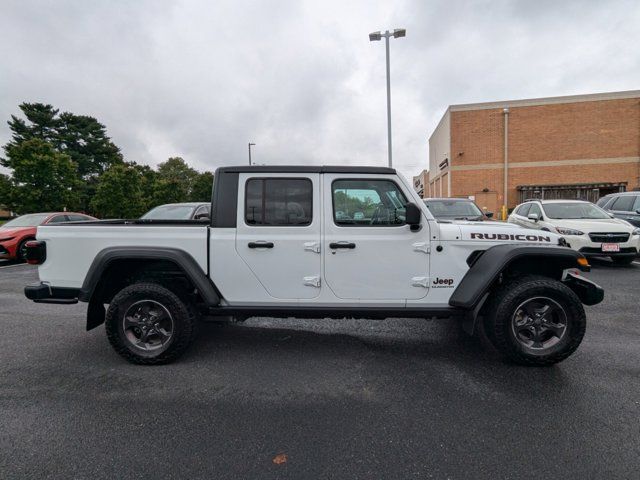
x,y
306,399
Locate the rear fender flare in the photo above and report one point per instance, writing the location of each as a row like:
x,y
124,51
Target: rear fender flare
x,y
106,257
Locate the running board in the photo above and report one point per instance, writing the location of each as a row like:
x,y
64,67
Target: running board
x,y
444,311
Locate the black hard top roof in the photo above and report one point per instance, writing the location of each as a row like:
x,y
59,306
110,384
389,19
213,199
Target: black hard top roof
x,y
304,169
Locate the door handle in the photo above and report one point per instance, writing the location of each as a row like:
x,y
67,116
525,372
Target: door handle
x,y
348,245
260,245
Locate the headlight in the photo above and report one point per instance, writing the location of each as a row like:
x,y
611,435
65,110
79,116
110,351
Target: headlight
x,y
636,231
568,231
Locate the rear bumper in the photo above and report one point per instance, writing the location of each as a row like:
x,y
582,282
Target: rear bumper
x,y
590,293
43,293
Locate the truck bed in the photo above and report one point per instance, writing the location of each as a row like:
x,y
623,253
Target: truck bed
x,y
72,247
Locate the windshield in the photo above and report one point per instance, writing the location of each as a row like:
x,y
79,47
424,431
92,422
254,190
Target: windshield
x,y
32,220
170,212
574,211
455,209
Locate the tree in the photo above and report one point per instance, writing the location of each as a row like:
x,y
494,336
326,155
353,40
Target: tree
x,y
81,137
120,192
201,190
42,179
174,181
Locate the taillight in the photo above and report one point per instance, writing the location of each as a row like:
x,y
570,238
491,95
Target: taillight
x,y
36,252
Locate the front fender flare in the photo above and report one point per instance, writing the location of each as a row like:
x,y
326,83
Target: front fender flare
x,y
485,270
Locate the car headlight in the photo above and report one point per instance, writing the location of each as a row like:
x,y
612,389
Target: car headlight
x,y
636,231
568,231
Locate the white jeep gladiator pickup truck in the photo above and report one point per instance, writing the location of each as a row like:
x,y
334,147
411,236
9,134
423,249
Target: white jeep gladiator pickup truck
x,y
315,242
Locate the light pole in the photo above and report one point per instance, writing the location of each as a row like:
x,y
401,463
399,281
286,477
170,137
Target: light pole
x,y
250,145
374,37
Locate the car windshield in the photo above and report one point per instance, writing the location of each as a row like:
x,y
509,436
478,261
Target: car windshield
x,y
574,211
454,209
170,212
32,220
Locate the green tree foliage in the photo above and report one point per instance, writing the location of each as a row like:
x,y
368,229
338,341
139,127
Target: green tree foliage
x,y
120,192
42,178
202,185
174,181
82,138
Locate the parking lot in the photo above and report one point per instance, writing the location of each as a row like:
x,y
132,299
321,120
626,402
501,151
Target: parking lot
x,y
402,398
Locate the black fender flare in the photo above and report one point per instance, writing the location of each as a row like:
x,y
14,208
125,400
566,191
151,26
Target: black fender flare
x,y
183,260
488,266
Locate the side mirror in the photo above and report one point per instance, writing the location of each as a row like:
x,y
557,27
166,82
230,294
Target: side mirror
x,y
489,214
413,215
533,216
638,211
202,216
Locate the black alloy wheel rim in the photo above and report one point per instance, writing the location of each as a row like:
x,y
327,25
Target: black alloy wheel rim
x,y
148,326
538,324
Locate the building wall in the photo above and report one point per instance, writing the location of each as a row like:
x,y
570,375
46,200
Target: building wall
x,y
556,143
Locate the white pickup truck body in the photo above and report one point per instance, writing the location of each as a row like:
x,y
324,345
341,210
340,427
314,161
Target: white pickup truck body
x,y
314,265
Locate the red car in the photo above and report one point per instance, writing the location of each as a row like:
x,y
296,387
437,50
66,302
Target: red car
x,y
17,232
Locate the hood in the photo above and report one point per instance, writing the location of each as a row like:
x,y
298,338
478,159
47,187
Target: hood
x,y
10,232
485,223
594,225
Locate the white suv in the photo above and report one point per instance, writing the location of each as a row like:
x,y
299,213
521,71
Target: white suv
x,y
586,227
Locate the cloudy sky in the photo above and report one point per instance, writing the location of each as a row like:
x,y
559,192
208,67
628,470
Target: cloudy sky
x,y
199,79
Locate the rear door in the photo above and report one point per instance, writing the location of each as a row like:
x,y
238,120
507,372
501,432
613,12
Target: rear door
x,y
278,232
370,253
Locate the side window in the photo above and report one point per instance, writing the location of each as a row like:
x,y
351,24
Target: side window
x,y
368,203
58,219
636,206
278,202
603,201
77,218
524,210
623,203
535,208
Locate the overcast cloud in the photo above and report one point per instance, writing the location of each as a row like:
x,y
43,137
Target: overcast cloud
x,y
199,79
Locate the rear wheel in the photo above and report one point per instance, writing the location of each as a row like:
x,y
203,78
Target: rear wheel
x,y
535,320
623,260
148,324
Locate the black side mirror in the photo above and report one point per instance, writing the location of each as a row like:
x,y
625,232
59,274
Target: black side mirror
x,y
202,216
413,216
489,214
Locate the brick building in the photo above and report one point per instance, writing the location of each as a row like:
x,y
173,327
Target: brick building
x,y
582,146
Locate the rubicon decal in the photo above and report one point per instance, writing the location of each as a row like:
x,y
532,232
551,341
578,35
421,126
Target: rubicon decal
x,y
511,236
442,282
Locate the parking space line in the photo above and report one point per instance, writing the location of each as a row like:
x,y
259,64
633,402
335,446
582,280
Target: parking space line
x,y
14,265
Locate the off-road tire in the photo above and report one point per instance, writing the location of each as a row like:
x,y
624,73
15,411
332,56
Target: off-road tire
x,y
184,323
503,304
623,260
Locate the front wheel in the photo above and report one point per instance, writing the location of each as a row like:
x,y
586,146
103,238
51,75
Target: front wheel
x,y
535,320
148,324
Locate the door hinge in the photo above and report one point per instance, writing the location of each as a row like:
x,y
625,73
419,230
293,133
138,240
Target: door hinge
x,y
312,281
312,247
420,282
421,247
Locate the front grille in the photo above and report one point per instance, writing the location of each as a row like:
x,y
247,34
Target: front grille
x,y
609,237
598,251
3,251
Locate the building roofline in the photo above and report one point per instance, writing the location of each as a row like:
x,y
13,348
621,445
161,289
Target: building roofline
x,y
446,112
589,97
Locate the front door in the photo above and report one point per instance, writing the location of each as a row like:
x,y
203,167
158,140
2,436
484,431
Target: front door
x,y
370,253
278,232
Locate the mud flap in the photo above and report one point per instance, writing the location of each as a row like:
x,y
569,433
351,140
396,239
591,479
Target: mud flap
x,y
95,314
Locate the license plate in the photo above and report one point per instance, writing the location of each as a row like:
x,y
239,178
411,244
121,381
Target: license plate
x,y
610,247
